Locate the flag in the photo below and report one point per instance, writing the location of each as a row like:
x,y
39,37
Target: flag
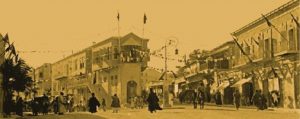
x,y
118,17
17,58
8,48
145,18
240,47
267,20
162,76
5,38
174,74
275,74
257,43
271,25
295,20
13,50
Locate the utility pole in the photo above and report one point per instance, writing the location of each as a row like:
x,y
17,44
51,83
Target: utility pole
x,y
166,82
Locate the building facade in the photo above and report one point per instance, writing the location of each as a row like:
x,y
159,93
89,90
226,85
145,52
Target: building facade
x,y
42,79
112,66
271,59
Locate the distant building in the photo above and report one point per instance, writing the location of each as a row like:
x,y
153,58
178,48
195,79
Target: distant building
x,y
42,79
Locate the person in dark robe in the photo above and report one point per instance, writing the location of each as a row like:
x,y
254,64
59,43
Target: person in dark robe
x,y
35,106
218,98
263,102
255,99
201,99
55,105
45,104
152,100
115,104
195,99
93,104
237,99
19,106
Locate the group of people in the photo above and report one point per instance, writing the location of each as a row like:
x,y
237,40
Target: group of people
x,y
94,103
259,100
136,102
198,98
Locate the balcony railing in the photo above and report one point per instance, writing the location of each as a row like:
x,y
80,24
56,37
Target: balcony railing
x,y
286,47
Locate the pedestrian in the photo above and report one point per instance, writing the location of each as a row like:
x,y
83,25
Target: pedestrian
x,y
55,105
195,99
34,106
131,102
45,104
201,99
255,99
264,102
237,99
218,98
61,104
115,104
274,99
19,106
152,100
70,103
93,104
103,104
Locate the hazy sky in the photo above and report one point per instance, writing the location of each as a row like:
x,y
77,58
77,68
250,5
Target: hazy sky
x,y
60,26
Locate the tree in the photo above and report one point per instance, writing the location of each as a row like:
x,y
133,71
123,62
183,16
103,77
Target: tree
x,y
15,74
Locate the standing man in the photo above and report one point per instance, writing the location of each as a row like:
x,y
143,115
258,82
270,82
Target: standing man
x,y
103,103
195,99
45,104
61,104
218,98
237,99
115,104
19,106
201,99
93,104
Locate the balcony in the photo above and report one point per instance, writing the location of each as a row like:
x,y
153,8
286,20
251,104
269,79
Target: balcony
x,y
286,48
221,64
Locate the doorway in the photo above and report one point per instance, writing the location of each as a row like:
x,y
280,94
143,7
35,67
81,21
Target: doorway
x,y
131,90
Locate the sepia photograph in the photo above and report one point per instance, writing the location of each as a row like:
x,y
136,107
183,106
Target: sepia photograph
x,y
149,59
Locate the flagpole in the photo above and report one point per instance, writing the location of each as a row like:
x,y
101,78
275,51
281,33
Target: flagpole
x,y
119,41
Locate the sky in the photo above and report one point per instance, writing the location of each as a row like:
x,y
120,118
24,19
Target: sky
x,y
55,28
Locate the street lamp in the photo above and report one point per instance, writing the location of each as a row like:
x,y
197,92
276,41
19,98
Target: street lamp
x,y
169,42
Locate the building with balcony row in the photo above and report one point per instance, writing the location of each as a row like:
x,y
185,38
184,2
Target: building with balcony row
x,y
112,66
270,61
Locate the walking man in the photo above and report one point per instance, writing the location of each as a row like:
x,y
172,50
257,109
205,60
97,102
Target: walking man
x,y
201,98
103,103
195,99
61,104
237,99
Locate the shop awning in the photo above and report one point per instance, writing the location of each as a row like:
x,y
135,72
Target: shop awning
x,y
156,84
223,85
180,80
241,82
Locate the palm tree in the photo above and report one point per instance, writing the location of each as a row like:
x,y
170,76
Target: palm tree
x,y
15,74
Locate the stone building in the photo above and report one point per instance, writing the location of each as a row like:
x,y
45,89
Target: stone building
x,y
112,66
43,80
272,49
